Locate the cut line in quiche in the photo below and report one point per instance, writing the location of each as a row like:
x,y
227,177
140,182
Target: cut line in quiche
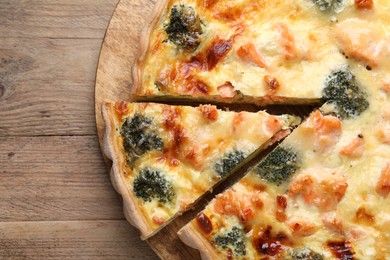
x,y
323,193
258,52
166,157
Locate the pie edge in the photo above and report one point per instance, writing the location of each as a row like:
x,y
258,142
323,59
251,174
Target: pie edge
x,y
111,150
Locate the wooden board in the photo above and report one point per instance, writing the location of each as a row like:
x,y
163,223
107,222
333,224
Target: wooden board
x,y
56,199
114,80
54,178
48,56
98,239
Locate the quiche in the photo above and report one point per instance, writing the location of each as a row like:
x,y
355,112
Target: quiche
x,y
166,157
323,193
258,52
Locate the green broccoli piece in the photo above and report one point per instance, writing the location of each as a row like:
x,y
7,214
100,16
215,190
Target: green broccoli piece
x,y
234,239
328,5
228,162
151,184
184,27
303,254
342,91
139,137
278,166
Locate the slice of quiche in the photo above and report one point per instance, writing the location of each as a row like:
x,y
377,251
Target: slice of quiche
x,y
257,51
323,193
166,157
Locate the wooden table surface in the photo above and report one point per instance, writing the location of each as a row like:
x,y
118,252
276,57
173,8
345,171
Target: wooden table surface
x,y
56,199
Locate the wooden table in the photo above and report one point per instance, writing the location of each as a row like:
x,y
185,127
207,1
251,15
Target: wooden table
x,y
56,199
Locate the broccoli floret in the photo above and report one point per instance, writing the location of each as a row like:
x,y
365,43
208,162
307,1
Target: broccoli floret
x,y
328,5
342,91
139,137
184,27
278,166
227,163
234,239
303,254
151,184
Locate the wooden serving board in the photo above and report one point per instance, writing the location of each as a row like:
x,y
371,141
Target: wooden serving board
x,y
114,81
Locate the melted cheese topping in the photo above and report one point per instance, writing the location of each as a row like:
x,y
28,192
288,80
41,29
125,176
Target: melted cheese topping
x,y
337,202
194,140
291,41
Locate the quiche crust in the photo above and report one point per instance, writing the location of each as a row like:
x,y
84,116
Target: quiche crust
x,y
111,150
190,236
156,16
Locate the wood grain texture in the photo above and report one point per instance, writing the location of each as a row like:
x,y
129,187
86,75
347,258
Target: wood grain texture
x,y
71,240
55,18
48,56
55,178
56,200
46,86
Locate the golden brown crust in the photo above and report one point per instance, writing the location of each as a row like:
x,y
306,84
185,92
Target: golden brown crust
x,y
191,236
156,15
112,151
